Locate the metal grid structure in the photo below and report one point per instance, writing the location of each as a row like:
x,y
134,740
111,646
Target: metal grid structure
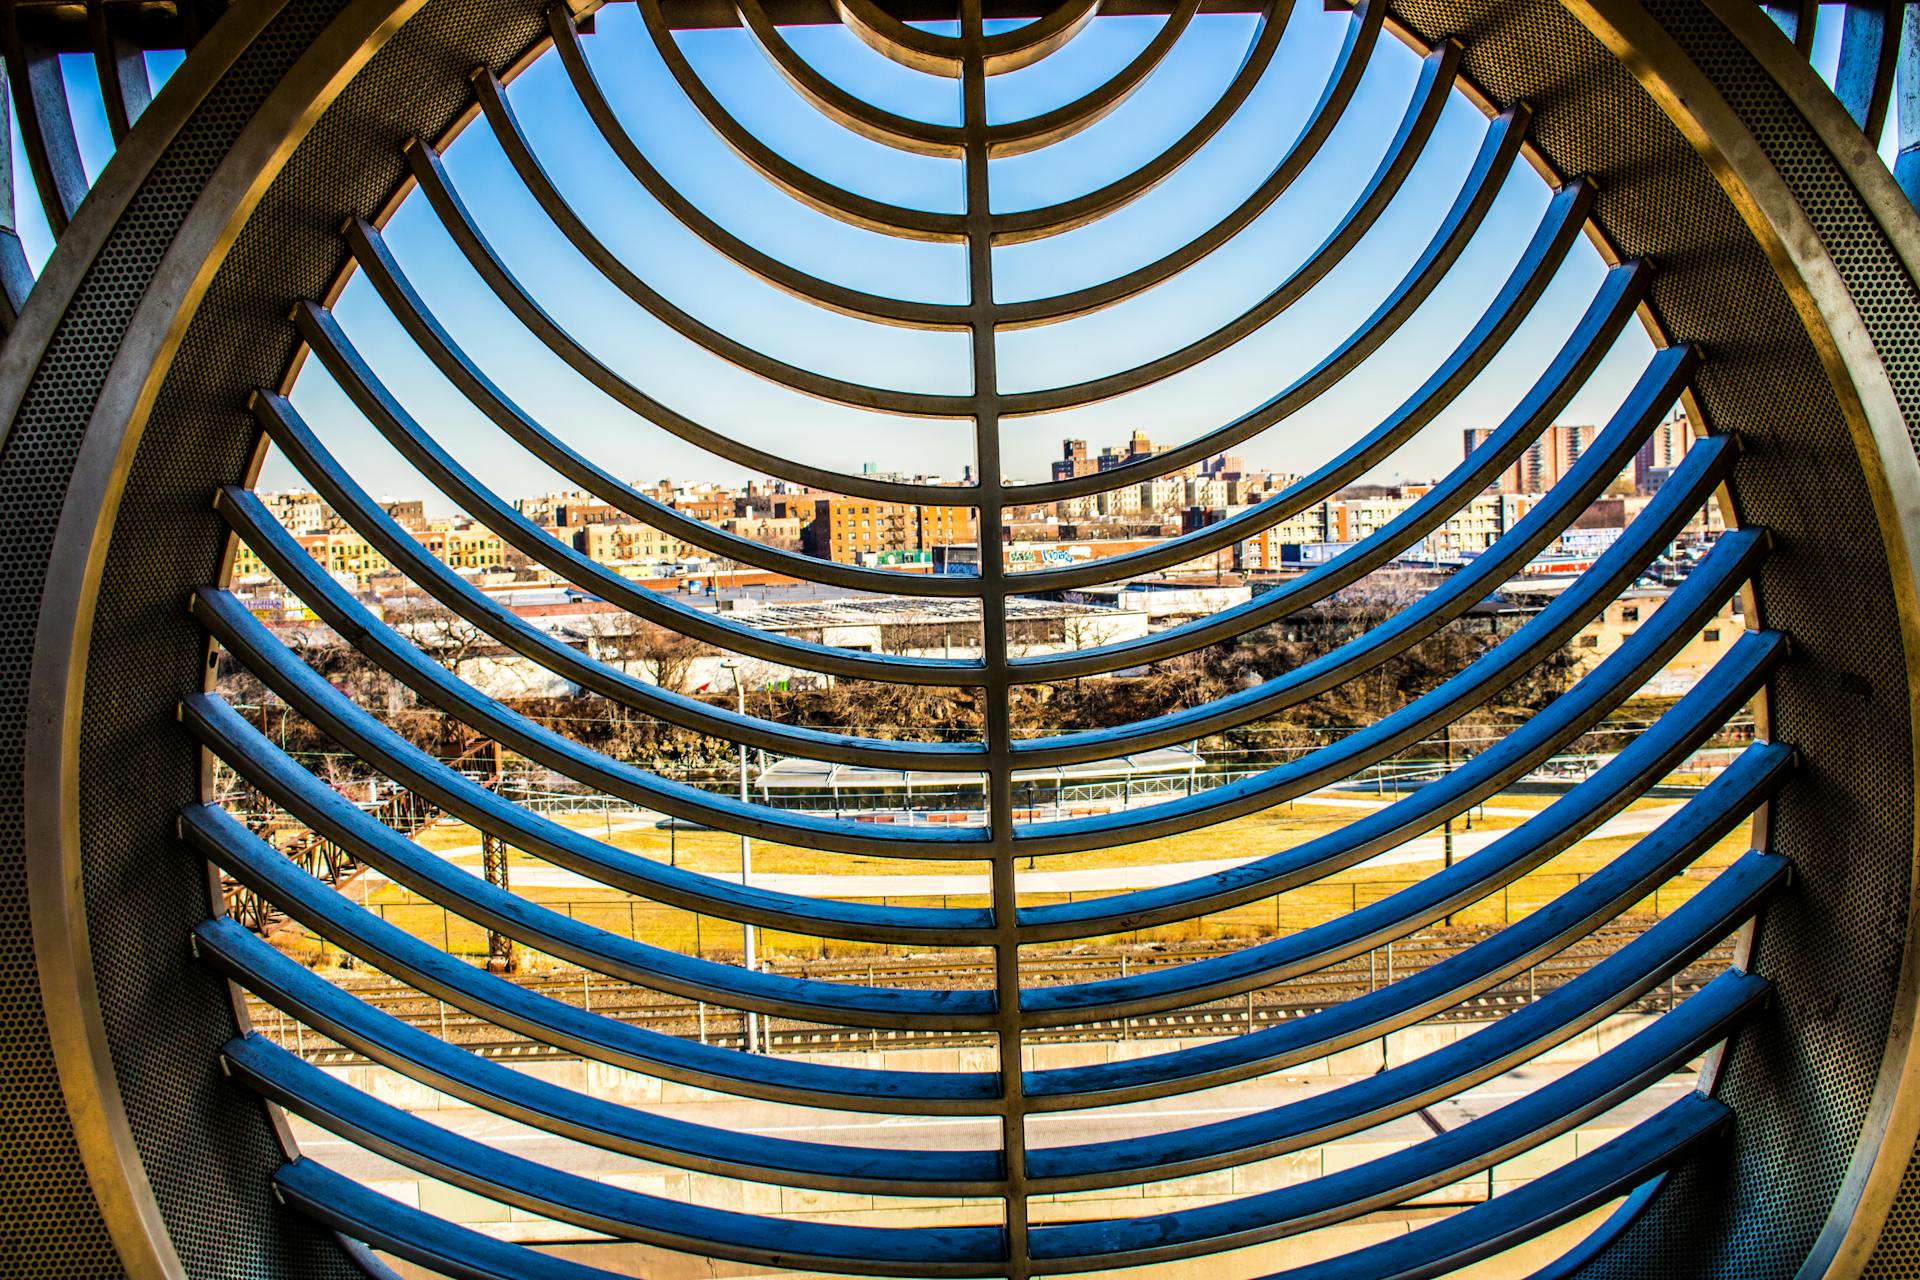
x,y
147,367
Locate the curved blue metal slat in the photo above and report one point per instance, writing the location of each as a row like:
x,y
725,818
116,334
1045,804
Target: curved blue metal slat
x,y
1429,93
492,718
486,1170
324,336
531,1100
1546,520
458,221
1022,1181
1674,1134
1662,381
1494,670
376,261
1593,696
1564,215
1554,1108
1497,153
460,795
1672,944
460,1253
1524,848
527,432
801,184
1693,1120
390,949
1633,1160
377,845
290,434
1598,898
1622,290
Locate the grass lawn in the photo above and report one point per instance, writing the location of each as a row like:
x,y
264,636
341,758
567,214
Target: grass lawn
x,y
1281,828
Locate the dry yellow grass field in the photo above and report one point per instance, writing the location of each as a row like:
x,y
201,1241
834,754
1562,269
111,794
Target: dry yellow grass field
x,y
1265,833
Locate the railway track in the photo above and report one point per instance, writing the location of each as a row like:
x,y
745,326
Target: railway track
x,y
712,1024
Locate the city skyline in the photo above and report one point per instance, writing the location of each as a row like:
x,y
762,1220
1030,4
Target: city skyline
x,y
1184,308
692,157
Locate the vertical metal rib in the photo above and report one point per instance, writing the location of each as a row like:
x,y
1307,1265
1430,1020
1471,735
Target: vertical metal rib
x,y
993,637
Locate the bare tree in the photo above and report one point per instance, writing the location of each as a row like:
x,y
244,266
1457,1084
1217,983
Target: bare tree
x,y
659,653
441,634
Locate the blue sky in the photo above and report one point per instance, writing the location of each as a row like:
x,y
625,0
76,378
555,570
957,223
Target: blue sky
x,y
674,137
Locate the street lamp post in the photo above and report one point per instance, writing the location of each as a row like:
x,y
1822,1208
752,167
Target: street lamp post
x,y
1446,741
746,851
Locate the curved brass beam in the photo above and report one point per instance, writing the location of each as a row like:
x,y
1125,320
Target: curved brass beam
x,y
454,216
1011,138
874,123
1019,137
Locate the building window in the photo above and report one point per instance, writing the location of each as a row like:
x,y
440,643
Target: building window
x,y
1630,614
1711,636
1589,642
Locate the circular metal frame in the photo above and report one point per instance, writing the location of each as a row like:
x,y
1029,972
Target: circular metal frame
x,y
149,365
